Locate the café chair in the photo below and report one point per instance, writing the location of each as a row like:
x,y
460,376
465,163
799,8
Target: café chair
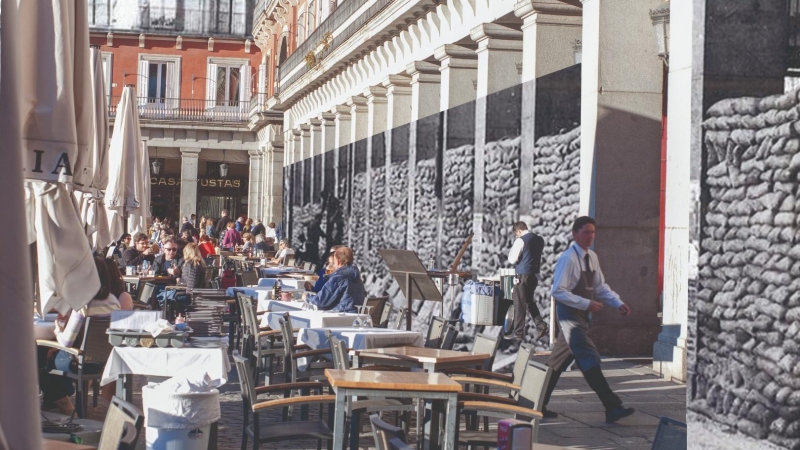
x,y
398,318
387,436
449,337
315,369
92,353
436,332
387,311
527,406
284,429
523,355
670,435
121,427
307,265
378,304
262,343
357,408
249,278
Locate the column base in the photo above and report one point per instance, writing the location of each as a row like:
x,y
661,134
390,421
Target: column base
x,y
669,354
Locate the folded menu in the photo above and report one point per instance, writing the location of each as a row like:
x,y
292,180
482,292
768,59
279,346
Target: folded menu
x,y
135,320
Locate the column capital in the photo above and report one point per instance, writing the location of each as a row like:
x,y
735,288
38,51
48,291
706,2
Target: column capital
x,y
304,127
314,123
396,80
254,154
326,119
340,110
190,152
526,9
356,100
297,132
448,51
492,35
424,72
375,94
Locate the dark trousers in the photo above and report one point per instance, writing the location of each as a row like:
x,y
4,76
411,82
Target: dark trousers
x,y
524,303
561,357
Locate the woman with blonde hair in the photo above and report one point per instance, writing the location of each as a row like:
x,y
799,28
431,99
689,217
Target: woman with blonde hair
x,y
194,267
249,242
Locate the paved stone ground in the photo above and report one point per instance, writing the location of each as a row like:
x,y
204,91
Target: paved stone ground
x,y
580,424
709,435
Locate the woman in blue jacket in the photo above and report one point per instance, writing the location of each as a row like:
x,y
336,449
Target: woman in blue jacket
x,y
343,290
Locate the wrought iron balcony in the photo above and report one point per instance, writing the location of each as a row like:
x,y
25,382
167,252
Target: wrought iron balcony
x,y
187,110
157,19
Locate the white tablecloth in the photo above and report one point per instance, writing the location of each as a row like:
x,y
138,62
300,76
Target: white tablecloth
x,y
361,339
309,319
166,362
285,282
278,306
266,294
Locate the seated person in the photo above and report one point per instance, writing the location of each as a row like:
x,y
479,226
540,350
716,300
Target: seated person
x,y
206,246
261,243
168,263
140,252
344,290
194,268
283,250
323,273
249,241
270,244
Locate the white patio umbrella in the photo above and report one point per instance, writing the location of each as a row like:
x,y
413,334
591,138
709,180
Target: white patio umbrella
x,y
43,140
124,164
137,221
93,209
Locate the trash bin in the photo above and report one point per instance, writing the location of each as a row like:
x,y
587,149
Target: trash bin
x,y
178,415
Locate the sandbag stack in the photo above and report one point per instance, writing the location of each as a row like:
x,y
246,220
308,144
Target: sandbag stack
x,y
458,188
748,300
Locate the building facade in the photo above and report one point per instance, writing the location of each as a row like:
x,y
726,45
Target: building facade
x,y
413,124
195,68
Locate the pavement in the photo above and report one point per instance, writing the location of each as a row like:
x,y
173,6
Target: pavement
x,y
581,422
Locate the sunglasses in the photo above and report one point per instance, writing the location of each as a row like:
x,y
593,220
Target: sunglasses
x,y
170,249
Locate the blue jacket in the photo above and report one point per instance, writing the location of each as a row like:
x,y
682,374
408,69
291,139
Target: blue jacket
x,y
320,281
342,292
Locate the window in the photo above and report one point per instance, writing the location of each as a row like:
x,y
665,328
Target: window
x,y
158,81
301,29
228,83
312,14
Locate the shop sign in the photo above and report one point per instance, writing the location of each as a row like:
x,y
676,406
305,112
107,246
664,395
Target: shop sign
x,y
225,183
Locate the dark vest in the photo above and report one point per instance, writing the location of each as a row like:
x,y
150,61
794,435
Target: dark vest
x,y
531,258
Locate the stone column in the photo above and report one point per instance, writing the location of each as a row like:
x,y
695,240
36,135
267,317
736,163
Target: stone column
x,y
343,128
305,154
358,117
273,206
189,160
398,95
328,127
499,59
254,190
549,31
621,111
296,144
459,79
376,109
426,88
397,134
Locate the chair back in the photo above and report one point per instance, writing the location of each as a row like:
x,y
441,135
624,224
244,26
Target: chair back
x,y
239,281
397,444
249,278
485,344
435,332
387,311
339,352
211,261
449,338
533,386
378,304
245,379
95,347
308,265
523,356
384,432
398,318
246,308
210,274
122,425
670,435
214,284
288,336
288,260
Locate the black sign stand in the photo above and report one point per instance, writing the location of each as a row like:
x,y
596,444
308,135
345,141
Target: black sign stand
x,y
412,277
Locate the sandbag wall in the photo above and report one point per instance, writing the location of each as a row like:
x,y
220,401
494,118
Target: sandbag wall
x,y
747,369
556,201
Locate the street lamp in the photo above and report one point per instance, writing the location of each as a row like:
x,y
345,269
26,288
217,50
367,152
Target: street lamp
x,y
577,51
223,168
156,164
660,18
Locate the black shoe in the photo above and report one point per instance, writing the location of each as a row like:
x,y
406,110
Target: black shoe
x,y
548,414
544,330
618,413
512,337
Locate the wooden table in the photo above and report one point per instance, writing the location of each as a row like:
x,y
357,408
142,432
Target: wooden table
x,y
375,383
49,444
430,359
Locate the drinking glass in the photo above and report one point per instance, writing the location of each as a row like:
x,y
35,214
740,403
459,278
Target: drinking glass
x,y
357,322
367,323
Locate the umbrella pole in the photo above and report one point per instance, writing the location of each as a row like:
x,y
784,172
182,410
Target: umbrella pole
x,y
125,219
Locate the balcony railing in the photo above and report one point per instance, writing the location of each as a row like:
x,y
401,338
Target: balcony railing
x,y
172,20
337,18
258,102
186,110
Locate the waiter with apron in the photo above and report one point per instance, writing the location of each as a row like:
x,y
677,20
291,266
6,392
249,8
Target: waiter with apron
x,y
577,282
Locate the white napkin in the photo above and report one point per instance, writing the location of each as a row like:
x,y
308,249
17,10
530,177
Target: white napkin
x,y
158,327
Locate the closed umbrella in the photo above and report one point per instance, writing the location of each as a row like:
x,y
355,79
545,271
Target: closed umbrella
x,y
138,218
124,165
93,209
44,67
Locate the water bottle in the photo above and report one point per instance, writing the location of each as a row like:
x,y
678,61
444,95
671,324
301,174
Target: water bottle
x,y
431,263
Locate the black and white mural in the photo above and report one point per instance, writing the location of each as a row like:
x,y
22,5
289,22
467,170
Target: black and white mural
x,y
413,187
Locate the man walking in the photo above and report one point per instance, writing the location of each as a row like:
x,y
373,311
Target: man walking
x,y
526,255
222,223
577,282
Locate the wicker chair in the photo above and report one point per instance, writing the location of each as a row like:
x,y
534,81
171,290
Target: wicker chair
x,y
387,437
436,331
94,350
283,430
122,425
292,351
527,406
671,435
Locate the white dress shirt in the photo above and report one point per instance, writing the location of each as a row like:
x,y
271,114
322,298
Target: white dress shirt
x,y
568,273
516,250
